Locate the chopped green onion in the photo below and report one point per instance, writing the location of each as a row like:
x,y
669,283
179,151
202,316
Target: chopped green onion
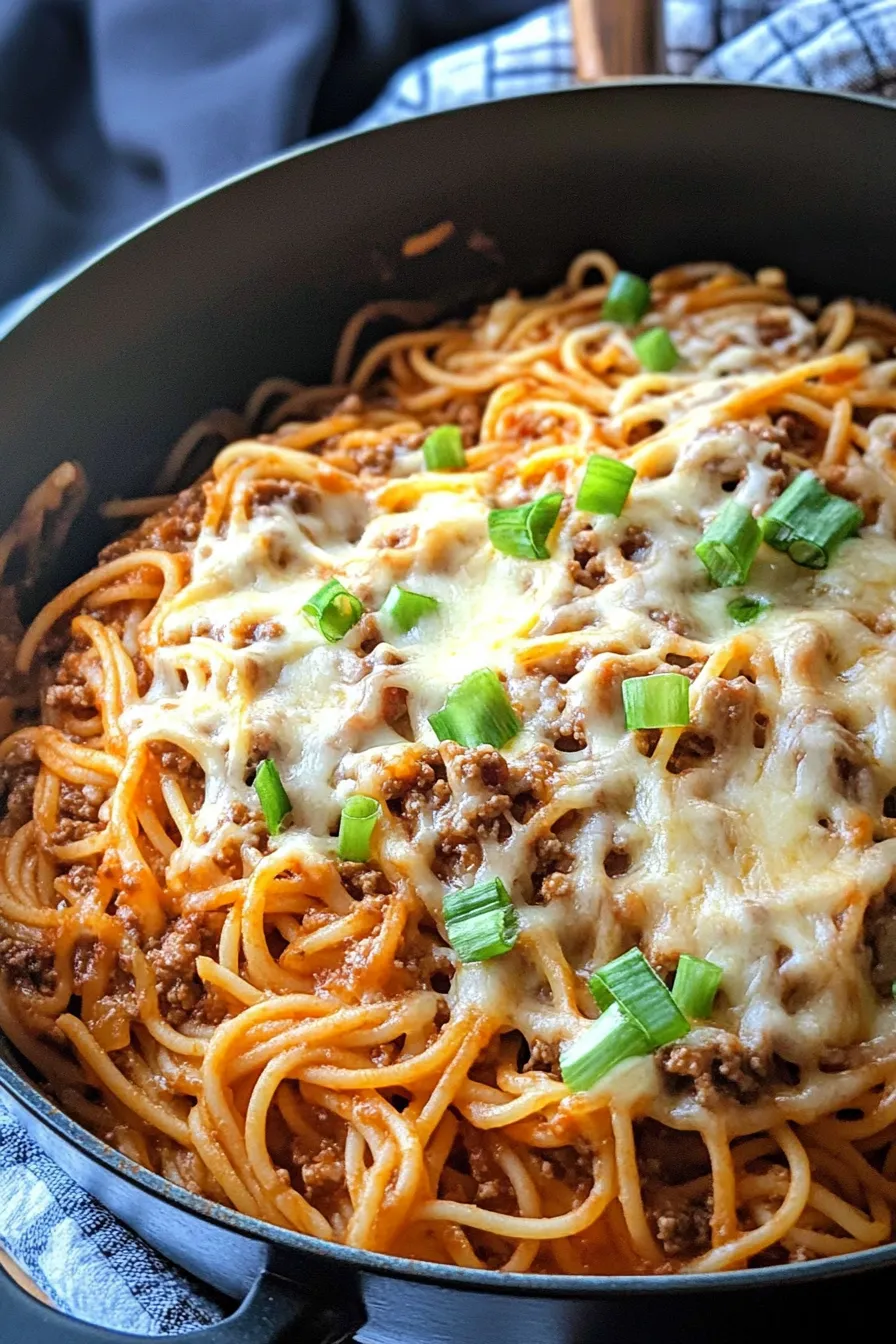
x,y
405,608
443,449
333,610
605,485
481,921
628,298
808,522
523,531
588,1057
656,350
729,544
745,610
659,701
632,982
477,711
359,816
273,797
695,985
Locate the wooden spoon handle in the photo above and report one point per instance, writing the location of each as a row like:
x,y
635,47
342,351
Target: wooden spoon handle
x,y
21,1278
617,37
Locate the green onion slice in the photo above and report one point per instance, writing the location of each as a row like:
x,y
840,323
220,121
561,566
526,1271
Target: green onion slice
x,y
656,350
613,1038
745,610
658,701
808,522
443,449
405,608
695,985
273,797
729,544
523,531
632,982
333,610
628,298
481,921
605,485
359,817
477,711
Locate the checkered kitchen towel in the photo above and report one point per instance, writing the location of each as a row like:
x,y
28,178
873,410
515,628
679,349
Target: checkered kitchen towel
x,y
86,1261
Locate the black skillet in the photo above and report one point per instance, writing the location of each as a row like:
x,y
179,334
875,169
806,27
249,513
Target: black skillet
x,y
257,278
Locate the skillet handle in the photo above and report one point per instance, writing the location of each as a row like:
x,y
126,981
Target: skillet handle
x,y
273,1312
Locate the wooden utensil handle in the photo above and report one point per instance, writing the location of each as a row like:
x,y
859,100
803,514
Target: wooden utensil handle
x,y
617,37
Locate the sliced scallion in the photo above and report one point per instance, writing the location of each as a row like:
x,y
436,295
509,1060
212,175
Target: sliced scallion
x,y
405,608
273,797
729,544
523,531
590,1056
628,298
656,350
481,921
477,712
695,985
605,485
745,610
333,610
356,824
659,701
443,449
808,522
632,982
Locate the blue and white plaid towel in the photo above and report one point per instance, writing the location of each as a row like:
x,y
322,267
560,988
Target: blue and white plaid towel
x,y
79,1254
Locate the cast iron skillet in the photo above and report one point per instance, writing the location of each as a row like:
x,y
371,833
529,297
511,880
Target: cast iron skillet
x,y
257,278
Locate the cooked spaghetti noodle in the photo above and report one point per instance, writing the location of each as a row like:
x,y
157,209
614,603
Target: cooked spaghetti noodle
x,y
293,1034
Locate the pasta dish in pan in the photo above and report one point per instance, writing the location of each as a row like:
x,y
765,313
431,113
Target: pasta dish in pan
x,y
463,823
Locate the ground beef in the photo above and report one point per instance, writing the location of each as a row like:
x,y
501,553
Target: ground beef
x,y
457,853
173,958
635,545
70,691
174,529
880,940
262,495
29,965
324,1169
531,781
682,1228
78,812
552,860
81,879
373,459
797,434
716,1070
189,773
18,777
417,785
586,567
544,1057
363,880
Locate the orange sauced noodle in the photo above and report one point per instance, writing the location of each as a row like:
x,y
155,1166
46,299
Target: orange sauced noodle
x,y
292,1033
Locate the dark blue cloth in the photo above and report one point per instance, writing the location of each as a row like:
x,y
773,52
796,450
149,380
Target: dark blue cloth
x,y
111,110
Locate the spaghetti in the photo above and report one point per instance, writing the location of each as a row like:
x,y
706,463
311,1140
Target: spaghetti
x,y
203,981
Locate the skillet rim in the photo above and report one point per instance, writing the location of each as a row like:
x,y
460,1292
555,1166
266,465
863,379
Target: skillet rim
x,y
24,307
29,1096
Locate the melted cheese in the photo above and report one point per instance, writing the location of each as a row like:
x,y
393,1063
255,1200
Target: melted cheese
x,y
753,858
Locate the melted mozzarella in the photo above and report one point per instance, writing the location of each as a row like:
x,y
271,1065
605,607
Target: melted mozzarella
x,y
753,858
